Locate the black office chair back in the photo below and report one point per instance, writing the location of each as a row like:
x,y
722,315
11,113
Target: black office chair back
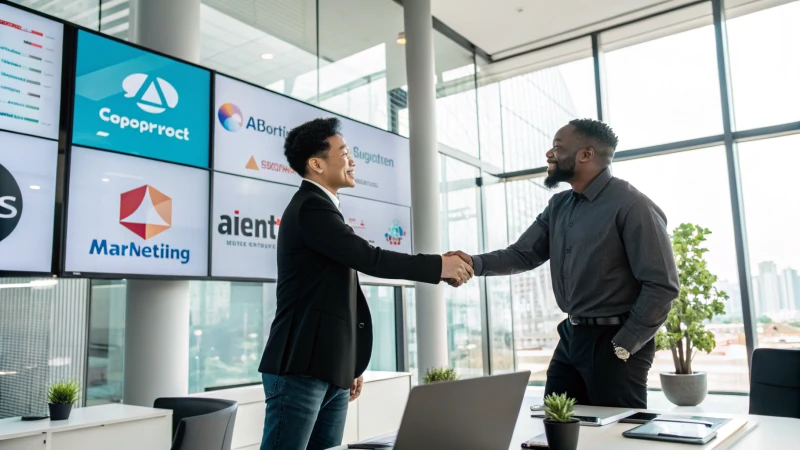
x,y
200,423
775,383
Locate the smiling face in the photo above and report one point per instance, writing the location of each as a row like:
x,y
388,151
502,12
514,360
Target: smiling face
x,y
561,158
336,169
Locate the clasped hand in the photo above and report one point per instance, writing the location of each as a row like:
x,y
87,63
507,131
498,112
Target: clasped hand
x,y
456,268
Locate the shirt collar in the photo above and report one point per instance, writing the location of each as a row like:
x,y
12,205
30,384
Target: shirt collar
x,y
327,192
596,186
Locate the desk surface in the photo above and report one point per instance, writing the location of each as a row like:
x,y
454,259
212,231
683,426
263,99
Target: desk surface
x,y
770,433
13,427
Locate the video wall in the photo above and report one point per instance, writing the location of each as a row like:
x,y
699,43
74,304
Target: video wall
x,y
171,170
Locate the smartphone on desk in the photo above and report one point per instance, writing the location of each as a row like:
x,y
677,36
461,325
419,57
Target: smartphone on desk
x,y
539,441
639,418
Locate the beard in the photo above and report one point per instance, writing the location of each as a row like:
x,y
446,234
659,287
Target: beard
x,y
563,172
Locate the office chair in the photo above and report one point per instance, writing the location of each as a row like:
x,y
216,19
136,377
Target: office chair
x,y
200,423
775,383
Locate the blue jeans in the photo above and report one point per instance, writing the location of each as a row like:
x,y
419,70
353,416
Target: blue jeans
x,y
303,413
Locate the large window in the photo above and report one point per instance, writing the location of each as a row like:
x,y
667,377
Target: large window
x,y
460,218
773,245
105,376
535,312
663,90
702,197
382,306
765,66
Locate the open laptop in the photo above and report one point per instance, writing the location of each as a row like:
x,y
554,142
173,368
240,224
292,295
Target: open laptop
x,y
478,413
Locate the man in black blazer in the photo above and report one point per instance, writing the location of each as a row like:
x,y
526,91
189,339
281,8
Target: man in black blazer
x,y
321,339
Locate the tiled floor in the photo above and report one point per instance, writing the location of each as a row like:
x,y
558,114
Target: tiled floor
x,y
729,404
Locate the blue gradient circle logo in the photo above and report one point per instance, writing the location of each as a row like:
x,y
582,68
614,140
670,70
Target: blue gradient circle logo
x,y
230,116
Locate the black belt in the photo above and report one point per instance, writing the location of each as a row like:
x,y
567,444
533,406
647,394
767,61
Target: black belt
x,y
598,321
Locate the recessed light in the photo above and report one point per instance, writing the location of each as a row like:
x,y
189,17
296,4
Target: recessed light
x,y
401,38
35,187
105,180
267,56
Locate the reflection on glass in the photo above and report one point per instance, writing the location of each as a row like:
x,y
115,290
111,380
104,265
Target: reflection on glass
x,y
460,231
104,379
772,240
498,289
226,333
536,314
764,63
537,104
701,197
664,90
381,300
411,330
456,105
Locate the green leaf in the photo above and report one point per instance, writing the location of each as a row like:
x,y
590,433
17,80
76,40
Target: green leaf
x,y
440,374
63,393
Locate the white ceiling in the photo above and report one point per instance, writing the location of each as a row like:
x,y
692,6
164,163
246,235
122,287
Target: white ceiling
x,y
504,28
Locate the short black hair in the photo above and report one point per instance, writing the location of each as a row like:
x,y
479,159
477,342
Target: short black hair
x,y
600,132
309,140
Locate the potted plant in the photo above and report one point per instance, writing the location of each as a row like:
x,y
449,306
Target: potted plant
x,y
62,396
684,333
560,427
440,374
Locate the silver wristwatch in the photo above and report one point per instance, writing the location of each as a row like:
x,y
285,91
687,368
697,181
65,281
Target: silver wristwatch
x,y
621,353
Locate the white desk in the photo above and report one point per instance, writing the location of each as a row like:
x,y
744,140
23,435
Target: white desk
x,y
121,427
771,433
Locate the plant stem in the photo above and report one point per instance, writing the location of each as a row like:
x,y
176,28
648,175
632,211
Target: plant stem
x,y
689,355
675,359
680,357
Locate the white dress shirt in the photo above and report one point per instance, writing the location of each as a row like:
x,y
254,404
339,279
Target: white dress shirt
x,y
330,194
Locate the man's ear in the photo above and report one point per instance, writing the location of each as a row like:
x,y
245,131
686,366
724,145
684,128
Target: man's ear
x,y
314,165
586,154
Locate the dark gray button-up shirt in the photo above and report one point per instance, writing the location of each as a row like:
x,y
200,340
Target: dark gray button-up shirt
x,y
609,253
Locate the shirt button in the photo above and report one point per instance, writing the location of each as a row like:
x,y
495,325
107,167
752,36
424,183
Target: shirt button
x,y
361,325
568,250
570,224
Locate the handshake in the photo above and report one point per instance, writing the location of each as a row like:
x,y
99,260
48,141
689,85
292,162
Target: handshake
x,y
456,268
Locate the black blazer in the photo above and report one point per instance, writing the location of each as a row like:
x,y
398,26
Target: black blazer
x,y
323,326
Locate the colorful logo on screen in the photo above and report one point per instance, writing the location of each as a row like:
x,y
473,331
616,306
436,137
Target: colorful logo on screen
x,y
10,203
132,101
396,234
230,111
230,117
147,212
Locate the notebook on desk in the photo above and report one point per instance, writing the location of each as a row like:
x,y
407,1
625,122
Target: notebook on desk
x,y
592,416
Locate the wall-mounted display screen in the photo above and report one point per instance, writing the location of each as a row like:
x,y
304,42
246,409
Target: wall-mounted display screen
x,y
30,72
134,216
27,202
132,101
382,224
246,220
251,126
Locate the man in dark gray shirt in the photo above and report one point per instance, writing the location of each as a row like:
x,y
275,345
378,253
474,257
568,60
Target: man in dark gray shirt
x,y
612,268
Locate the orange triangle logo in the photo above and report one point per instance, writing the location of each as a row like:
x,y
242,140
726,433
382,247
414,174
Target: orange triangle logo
x,y
251,164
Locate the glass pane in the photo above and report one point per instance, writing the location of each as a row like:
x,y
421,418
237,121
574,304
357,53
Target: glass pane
x,y
765,66
42,340
226,340
80,12
498,289
460,231
536,314
665,90
456,105
411,330
702,198
772,238
361,64
270,44
104,379
384,327
537,104
490,124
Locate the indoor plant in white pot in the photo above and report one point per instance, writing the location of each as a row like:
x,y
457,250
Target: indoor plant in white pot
x,y
684,333
560,427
